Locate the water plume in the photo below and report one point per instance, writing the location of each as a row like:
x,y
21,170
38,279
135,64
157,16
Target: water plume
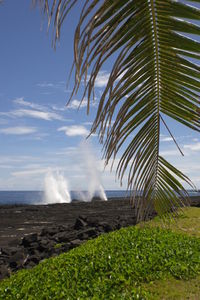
x,y
92,174
56,188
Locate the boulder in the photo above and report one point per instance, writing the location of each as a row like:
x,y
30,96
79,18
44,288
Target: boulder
x,y
34,258
107,227
76,243
5,251
87,233
93,221
61,237
80,223
49,231
42,245
29,239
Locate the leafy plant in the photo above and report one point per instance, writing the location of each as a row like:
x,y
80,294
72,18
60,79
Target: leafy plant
x,y
132,259
154,75
58,245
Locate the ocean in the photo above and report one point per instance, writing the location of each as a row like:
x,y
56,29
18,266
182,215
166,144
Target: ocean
x,y
37,197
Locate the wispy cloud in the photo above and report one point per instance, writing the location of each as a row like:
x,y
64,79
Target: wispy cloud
x,y
15,159
74,130
32,110
61,85
169,153
22,102
18,130
44,115
46,84
88,123
75,104
166,139
192,147
101,79
59,108
31,173
66,151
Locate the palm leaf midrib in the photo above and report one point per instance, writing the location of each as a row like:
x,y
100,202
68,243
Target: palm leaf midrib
x,y
157,79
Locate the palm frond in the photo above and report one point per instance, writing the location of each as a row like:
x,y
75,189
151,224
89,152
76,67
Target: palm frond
x,y
153,75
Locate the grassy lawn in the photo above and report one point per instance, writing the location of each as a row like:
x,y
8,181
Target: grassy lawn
x,y
171,288
188,222
141,262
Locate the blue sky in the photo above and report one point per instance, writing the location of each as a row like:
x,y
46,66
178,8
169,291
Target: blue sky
x,y
37,131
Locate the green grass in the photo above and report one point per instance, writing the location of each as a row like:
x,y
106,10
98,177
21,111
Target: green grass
x,y
132,263
174,289
187,222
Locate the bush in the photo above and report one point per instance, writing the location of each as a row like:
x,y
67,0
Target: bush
x,y
113,266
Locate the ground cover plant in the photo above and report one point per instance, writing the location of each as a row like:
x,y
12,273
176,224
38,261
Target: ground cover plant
x,y
127,264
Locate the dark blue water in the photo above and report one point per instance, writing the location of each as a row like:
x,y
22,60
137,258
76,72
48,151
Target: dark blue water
x,y
37,197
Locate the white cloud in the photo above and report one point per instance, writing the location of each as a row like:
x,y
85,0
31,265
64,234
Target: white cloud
x,y
46,84
74,130
30,173
61,85
75,104
169,153
18,130
44,115
59,108
21,101
32,110
88,123
102,79
15,159
192,147
166,139
190,167
66,151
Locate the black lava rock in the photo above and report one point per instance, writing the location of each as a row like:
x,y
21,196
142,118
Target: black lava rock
x,y
80,223
29,239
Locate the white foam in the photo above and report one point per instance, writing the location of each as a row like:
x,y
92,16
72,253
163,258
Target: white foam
x,y
92,174
56,189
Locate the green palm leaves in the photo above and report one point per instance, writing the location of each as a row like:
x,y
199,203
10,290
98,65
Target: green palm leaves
x,y
153,75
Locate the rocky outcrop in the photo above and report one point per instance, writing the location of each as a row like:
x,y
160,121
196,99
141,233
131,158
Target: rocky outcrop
x,y
53,240
29,234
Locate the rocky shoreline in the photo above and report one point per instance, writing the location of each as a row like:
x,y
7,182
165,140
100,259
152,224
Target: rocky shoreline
x,y
31,233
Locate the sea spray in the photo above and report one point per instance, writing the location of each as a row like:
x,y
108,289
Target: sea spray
x,y
56,188
81,196
95,187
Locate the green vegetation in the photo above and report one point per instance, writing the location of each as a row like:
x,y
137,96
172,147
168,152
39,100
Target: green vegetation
x,y
58,245
174,289
187,222
132,263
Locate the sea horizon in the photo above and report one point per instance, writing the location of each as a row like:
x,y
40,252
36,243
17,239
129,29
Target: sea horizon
x,y
36,197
